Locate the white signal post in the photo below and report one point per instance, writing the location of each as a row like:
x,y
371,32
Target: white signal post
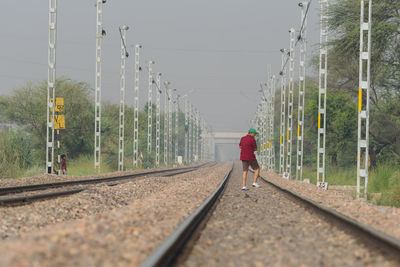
x,y
290,102
121,134
158,117
302,91
150,108
51,82
100,33
166,84
322,92
282,137
136,106
363,97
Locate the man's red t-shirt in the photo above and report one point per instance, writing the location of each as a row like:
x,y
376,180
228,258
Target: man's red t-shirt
x,y
248,145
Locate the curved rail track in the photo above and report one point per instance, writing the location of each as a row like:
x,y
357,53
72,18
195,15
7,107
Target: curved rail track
x,y
16,199
169,251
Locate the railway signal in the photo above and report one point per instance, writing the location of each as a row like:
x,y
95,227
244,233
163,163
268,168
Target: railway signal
x,y
363,97
51,83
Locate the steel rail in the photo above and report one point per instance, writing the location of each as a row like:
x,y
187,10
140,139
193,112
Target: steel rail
x,y
366,229
169,250
30,198
36,187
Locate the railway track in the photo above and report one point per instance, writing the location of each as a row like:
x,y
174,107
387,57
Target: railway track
x,y
12,196
175,249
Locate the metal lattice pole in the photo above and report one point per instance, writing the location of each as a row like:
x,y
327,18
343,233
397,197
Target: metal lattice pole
x,y
158,118
302,92
282,137
176,127
186,130
97,108
51,83
322,92
190,133
196,133
166,123
121,133
271,121
363,97
170,125
150,108
136,106
290,102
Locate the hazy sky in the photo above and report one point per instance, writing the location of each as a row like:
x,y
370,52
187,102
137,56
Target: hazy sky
x,y
220,48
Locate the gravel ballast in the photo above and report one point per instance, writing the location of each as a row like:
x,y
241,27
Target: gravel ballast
x,y
265,227
385,219
119,225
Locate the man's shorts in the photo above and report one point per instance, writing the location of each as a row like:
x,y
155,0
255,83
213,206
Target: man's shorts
x,y
252,163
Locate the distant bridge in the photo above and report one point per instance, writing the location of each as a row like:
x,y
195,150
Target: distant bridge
x,y
226,145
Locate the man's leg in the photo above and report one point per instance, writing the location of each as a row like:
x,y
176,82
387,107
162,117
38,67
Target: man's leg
x,y
244,177
256,173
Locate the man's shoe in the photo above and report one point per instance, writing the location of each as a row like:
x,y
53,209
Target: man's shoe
x,y
245,188
256,185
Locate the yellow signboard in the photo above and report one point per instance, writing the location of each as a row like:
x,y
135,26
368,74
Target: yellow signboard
x,y
60,122
59,104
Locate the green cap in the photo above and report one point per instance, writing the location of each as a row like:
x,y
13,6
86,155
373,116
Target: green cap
x,y
252,130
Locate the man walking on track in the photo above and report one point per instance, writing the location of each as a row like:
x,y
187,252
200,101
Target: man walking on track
x,y
248,145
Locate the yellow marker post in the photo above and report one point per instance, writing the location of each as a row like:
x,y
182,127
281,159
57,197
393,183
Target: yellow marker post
x,y
288,135
298,130
319,120
360,99
280,139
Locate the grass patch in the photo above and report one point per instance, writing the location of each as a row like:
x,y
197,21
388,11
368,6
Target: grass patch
x,y
334,176
385,179
84,165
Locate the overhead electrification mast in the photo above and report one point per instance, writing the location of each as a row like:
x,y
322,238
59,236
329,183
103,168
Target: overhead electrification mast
x,y
166,123
150,108
100,32
158,117
136,106
176,126
290,102
322,92
363,96
283,115
302,90
121,134
51,82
